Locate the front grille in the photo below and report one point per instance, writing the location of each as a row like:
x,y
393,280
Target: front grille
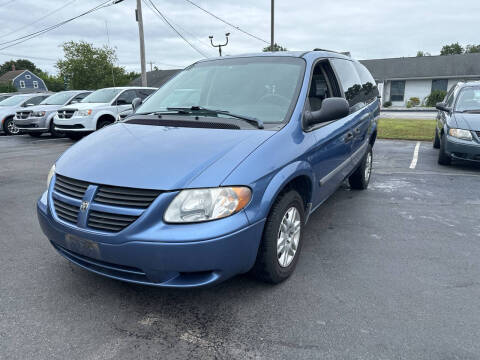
x,y
478,133
23,114
108,221
76,126
70,187
125,197
65,114
65,211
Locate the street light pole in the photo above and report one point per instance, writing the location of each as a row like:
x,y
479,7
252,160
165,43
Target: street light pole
x,y
272,39
138,13
219,45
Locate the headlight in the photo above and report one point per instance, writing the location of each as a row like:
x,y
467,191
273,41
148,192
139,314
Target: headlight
x,y
50,175
38,114
84,112
460,134
198,205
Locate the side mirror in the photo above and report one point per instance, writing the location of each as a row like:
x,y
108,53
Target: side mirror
x,y
74,102
442,106
29,104
136,103
332,109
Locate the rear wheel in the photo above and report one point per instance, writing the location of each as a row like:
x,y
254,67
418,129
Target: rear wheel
x,y
436,140
10,128
282,239
361,177
443,158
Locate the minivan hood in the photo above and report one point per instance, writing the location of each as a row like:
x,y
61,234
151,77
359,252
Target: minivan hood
x,y
42,108
468,121
83,106
158,157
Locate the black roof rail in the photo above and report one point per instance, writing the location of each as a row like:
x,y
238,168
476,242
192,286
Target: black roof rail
x,y
346,53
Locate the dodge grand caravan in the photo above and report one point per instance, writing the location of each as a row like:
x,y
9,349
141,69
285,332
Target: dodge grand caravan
x,y
216,173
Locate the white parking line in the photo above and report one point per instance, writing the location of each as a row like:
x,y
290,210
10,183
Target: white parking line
x,y
413,164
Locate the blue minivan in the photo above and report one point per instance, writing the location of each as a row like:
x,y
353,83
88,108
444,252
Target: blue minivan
x,y
217,172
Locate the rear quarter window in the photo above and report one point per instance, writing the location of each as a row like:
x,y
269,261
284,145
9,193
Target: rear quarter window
x,y
369,86
350,83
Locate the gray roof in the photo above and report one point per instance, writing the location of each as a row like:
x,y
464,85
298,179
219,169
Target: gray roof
x,y
10,75
447,66
155,78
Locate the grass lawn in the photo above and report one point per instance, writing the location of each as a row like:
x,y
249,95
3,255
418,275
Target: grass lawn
x,y
406,129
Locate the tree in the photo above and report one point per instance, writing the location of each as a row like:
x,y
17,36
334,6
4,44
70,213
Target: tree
x,y
20,64
452,49
7,88
276,47
89,67
469,49
423,53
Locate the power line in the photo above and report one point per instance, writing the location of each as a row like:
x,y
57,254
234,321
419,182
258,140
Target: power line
x,y
42,18
27,57
158,12
47,29
226,22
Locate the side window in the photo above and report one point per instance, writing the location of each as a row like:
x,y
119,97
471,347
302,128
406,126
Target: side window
x,y
126,97
351,83
319,88
450,98
79,97
369,86
143,93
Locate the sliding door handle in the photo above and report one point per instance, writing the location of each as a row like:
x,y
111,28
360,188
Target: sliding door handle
x,y
348,137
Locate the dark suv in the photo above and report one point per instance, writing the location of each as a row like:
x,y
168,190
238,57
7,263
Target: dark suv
x,y
457,133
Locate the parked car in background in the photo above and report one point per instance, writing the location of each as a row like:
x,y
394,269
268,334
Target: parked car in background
x,y
457,133
97,110
4,96
11,105
38,119
185,194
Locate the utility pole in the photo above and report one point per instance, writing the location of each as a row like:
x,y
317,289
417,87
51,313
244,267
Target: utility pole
x,y
138,14
219,45
272,39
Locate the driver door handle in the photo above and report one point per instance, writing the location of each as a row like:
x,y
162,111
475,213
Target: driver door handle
x,y
348,137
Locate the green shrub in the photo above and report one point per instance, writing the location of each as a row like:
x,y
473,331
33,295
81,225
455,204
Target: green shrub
x,y
410,104
387,104
435,97
415,101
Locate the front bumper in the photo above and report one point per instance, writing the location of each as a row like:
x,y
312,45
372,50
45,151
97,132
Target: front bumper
x,y
75,124
32,124
157,263
463,149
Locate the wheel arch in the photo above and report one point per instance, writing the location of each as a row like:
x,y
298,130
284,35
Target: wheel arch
x,y
104,116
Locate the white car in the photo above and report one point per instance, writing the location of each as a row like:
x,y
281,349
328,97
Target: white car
x,y
11,105
97,110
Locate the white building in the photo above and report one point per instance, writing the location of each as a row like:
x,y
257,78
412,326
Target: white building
x,y
403,78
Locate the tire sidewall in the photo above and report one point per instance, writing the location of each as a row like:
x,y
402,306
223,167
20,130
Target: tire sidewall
x,y
270,236
5,127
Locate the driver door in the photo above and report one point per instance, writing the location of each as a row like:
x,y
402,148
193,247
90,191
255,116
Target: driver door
x,y
124,100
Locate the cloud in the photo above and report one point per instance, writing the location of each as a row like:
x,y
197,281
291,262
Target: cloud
x,y
368,29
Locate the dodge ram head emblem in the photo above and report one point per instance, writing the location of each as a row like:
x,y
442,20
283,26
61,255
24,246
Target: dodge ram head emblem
x,y
84,205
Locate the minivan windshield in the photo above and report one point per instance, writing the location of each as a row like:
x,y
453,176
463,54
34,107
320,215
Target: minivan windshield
x,y
468,99
265,88
102,96
13,101
58,98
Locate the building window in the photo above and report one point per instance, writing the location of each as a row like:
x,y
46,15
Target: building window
x,y
35,84
397,90
27,76
22,84
440,84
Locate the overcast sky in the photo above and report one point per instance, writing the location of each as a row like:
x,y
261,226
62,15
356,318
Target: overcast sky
x,y
368,29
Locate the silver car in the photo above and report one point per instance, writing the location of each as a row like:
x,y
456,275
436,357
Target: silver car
x,y
38,119
11,105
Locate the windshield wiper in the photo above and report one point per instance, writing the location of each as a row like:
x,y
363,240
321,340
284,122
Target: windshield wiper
x,y
193,109
470,111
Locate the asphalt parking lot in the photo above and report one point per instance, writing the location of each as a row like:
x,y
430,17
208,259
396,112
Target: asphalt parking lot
x,y
388,273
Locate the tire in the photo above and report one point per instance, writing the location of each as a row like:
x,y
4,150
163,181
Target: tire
x,y
270,265
443,158
436,140
75,136
361,177
10,128
53,132
35,134
103,123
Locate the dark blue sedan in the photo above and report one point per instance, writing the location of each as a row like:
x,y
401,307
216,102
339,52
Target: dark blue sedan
x,y
217,172
457,133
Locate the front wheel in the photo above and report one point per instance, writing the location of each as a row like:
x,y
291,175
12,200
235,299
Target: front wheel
x,y
75,135
10,128
443,158
35,134
436,140
53,132
282,239
361,177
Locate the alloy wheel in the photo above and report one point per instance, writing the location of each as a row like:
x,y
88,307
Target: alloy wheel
x,y
12,129
288,237
368,167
